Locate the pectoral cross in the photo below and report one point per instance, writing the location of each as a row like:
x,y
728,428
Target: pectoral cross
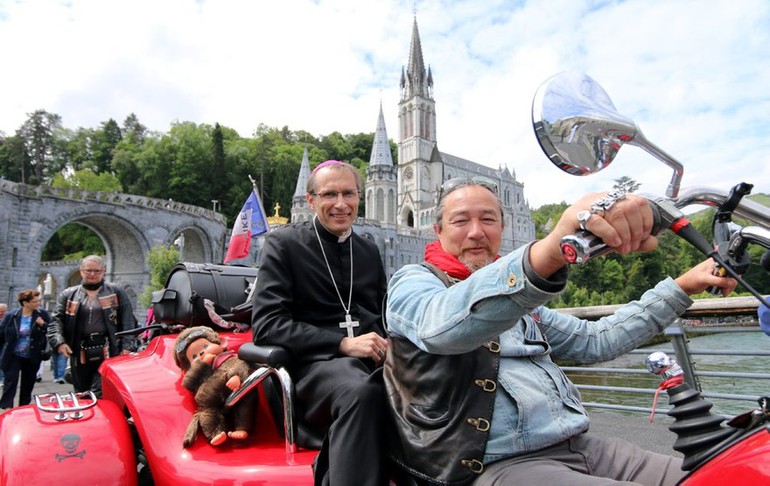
x,y
349,324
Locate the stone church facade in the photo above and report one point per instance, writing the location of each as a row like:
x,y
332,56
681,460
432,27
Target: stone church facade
x,y
400,200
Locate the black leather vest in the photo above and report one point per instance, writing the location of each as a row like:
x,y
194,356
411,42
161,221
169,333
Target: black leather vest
x,y
442,407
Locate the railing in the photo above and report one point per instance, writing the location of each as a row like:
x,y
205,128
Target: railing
x,y
604,396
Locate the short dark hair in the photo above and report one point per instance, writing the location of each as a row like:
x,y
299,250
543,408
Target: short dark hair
x,y
27,295
447,189
339,166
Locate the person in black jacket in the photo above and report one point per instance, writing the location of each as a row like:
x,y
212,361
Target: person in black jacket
x,y
22,344
85,322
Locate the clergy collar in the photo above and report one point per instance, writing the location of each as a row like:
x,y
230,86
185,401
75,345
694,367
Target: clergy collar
x,y
327,234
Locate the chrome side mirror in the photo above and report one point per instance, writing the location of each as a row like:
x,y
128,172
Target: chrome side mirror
x,y
581,131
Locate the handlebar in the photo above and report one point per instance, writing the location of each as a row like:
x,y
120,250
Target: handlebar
x,y
709,196
584,246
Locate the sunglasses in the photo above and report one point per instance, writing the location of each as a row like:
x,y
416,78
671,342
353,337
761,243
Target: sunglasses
x,y
457,182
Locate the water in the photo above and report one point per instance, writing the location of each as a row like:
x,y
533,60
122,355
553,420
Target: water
x,y
722,363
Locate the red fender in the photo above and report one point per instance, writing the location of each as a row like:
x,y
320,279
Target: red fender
x,y
36,448
742,463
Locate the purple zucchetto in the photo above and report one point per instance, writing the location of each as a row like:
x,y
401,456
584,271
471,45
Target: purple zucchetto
x,y
327,163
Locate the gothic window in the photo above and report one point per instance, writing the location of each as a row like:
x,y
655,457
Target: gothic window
x,y
380,205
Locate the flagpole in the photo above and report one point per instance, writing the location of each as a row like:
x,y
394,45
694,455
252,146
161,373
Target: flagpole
x,y
261,208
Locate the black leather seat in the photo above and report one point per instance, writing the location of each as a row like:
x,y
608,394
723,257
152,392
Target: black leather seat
x,y
279,391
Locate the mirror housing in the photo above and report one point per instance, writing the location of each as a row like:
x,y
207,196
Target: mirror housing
x,y
581,131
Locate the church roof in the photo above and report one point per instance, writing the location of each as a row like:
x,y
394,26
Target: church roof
x,y
381,154
304,175
466,166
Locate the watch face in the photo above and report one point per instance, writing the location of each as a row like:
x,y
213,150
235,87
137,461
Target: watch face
x,y
408,173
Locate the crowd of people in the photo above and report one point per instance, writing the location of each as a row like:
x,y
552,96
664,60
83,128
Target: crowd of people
x,y
445,373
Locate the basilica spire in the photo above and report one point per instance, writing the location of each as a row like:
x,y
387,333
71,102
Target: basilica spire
x,y
381,154
304,175
300,210
416,81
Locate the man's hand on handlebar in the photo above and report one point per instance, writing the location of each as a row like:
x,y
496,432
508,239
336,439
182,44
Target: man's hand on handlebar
x,y
626,227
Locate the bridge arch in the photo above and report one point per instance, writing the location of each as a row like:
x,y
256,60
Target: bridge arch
x,y
128,226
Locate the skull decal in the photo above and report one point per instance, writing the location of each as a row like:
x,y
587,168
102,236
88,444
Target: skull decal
x,y
70,443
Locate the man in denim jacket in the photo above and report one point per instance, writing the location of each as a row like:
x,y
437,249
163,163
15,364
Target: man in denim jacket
x,y
471,383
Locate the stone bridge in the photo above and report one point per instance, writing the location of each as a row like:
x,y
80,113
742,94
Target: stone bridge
x,y
128,225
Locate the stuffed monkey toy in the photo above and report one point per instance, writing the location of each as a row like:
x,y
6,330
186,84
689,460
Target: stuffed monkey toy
x,y
211,373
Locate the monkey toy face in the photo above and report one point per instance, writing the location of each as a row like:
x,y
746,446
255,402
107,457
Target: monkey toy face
x,y
200,348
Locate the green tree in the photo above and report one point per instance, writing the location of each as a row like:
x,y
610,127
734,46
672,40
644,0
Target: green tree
x,y
72,241
86,179
104,141
39,133
161,260
134,131
13,158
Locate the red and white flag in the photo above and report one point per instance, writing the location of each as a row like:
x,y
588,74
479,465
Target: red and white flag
x,y
250,223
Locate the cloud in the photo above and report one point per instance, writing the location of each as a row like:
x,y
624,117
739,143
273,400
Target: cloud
x,y
692,74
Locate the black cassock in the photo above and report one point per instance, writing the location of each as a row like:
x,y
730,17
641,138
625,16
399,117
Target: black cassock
x,y
296,306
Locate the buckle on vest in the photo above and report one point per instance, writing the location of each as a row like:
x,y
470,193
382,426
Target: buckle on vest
x,y
493,346
486,385
480,423
474,465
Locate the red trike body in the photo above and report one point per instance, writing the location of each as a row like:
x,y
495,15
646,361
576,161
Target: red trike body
x,y
746,462
143,397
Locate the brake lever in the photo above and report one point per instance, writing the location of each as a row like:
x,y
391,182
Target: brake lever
x,y
724,232
733,252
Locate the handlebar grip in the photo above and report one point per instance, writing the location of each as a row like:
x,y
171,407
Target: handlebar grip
x,y
582,246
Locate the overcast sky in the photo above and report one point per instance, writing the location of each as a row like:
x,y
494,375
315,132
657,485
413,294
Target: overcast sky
x,y
693,74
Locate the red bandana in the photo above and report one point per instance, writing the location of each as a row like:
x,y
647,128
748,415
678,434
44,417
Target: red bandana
x,y
436,255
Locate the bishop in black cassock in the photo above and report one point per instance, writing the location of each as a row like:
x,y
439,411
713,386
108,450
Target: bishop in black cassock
x,y
298,306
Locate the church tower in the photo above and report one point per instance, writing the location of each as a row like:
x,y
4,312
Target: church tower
x,y
419,162
300,210
381,184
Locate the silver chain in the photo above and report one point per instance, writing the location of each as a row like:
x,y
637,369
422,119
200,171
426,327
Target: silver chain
x,y
329,268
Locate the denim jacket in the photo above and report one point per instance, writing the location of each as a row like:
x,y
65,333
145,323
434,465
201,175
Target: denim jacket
x,y
536,405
